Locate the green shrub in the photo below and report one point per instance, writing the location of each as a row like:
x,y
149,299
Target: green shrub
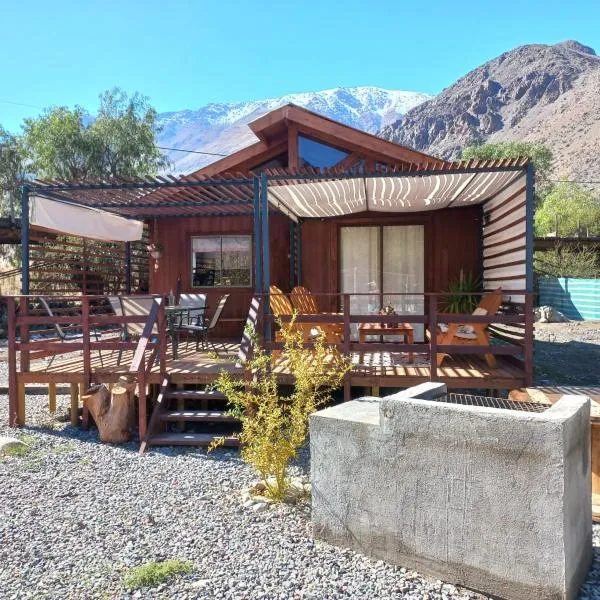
x,y
274,427
153,573
566,261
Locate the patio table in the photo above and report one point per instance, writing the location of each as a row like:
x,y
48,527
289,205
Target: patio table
x,y
381,329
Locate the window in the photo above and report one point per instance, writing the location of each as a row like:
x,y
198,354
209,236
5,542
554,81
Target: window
x,y
316,154
222,261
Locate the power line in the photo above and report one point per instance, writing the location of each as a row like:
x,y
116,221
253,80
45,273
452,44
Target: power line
x,y
191,151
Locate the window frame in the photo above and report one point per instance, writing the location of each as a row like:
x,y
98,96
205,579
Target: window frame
x,y
221,236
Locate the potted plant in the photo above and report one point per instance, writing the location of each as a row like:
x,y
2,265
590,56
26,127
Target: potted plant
x,y
462,294
156,250
388,311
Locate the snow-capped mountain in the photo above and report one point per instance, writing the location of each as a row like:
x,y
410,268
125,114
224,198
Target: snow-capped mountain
x,y
222,128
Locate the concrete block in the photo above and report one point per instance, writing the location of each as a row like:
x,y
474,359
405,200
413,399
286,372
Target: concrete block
x,y
495,500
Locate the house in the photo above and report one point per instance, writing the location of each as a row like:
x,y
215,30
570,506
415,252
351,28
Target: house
x,y
359,221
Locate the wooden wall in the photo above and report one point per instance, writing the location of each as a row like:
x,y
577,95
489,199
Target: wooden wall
x,y
452,243
175,235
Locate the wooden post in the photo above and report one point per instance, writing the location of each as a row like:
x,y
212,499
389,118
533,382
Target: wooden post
x,y
433,337
21,405
74,405
87,367
142,408
24,334
346,347
161,325
528,348
13,396
52,397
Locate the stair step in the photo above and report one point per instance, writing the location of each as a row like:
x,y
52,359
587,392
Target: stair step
x,y
191,439
195,395
197,415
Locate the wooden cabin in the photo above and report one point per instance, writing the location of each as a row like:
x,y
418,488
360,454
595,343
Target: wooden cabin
x,y
361,222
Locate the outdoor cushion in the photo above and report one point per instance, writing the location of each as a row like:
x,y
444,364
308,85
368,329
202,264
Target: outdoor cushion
x,y
480,312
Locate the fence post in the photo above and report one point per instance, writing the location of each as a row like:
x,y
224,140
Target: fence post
x,y
432,337
346,347
13,394
87,367
162,339
24,335
142,408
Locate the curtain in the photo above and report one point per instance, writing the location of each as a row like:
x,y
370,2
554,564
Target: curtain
x,y
404,271
383,274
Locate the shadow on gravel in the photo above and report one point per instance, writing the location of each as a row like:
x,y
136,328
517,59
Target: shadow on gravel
x,y
566,363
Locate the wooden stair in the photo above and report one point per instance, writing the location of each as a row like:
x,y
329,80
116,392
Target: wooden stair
x,y
200,416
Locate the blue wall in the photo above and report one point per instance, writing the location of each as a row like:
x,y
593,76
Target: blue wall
x,y
577,299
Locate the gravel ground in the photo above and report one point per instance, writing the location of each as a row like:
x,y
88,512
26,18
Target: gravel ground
x,y
567,353
75,515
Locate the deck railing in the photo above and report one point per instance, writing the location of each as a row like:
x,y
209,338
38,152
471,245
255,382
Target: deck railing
x,y
514,330
90,318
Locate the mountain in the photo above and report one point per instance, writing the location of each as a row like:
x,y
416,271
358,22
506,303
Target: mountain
x,y
541,93
222,128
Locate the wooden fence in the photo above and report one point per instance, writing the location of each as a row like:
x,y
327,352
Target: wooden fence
x,y
73,265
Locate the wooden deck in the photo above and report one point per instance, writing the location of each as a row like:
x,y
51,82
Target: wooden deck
x,y
372,369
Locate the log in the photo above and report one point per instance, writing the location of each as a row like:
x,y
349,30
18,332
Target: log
x,y
111,411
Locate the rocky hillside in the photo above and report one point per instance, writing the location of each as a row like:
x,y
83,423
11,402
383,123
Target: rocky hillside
x,y
222,128
547,94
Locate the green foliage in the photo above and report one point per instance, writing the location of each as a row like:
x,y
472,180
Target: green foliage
x,y
153,573
117,142
458,299
540,155
563,261
574,206
11,171
274,426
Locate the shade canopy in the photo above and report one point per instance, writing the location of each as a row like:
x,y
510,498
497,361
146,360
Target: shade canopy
x,y
395,193
73,219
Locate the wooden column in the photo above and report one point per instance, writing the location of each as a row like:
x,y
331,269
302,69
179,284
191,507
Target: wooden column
x,y
433,337
74,405
52,397
528,347
346,347
293,159
87,367
24,334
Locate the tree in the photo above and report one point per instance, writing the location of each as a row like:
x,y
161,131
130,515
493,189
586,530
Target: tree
x,y
118,142
540,155
11,171
574,208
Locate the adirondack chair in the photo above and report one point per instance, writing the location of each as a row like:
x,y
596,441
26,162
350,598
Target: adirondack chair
x,y
282,306
306,304
471,334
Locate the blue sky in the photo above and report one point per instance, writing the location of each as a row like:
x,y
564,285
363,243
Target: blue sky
x,y
186,53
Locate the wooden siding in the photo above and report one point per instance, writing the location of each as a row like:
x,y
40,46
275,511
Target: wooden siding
x,y
452,243
504,240
175,235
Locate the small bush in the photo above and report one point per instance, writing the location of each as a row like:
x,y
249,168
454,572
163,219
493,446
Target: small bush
x,y
153,573
274,427
565,261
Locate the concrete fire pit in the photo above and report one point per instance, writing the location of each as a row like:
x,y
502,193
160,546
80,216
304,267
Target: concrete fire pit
x,y
494,499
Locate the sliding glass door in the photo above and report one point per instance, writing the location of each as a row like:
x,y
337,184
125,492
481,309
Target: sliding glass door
x,y
384,262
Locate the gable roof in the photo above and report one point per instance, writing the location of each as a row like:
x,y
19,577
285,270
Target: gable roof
x,y
271,127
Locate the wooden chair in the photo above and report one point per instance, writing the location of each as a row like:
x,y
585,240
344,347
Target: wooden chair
x,y
306,304
478,334
139,306
282,306
66,334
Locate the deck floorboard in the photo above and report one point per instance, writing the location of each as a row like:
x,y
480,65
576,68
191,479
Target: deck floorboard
x,y
381,369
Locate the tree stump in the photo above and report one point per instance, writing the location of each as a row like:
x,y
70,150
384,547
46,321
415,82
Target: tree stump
x,y
112,412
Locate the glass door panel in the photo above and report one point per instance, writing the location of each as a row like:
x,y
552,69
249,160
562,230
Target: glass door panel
x,y
404,271
360,269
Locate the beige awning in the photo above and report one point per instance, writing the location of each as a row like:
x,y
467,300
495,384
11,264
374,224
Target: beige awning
x,y
396,193
74,219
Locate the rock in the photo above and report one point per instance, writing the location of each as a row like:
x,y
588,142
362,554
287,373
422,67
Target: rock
x,y
259,507
9,444
548,314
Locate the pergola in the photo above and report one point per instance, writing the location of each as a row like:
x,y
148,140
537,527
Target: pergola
x,y
503,187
